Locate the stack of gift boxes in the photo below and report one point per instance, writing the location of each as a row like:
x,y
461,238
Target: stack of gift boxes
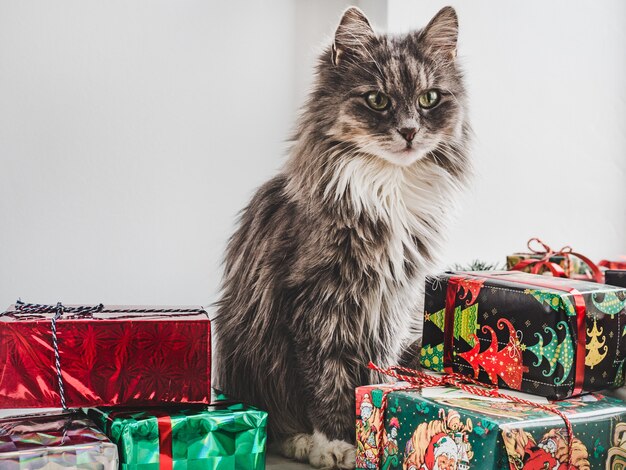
x,y
134,385
521,362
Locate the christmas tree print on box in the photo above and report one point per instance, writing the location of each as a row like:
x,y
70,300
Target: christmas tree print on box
x,y
521,331
555,352
594,346
465,327
505,362
432,357
417,433
609,303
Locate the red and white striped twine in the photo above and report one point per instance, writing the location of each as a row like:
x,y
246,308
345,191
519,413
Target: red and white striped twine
x,y
417,380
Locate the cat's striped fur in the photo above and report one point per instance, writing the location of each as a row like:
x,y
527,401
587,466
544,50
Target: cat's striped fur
x,y
326,269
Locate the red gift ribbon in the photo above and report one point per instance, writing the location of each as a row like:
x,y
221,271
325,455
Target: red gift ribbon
x,y
579,304
164,424
418,380
448,328
605,263
165,441
557,271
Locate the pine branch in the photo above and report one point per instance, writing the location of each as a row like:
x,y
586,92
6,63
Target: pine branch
x,y
478,265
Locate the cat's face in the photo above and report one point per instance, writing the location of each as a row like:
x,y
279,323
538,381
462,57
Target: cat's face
x,y
397,98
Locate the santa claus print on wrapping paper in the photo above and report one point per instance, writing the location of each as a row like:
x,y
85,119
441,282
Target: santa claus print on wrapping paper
x,y
390,445
549,453
616,457
440,444
366,428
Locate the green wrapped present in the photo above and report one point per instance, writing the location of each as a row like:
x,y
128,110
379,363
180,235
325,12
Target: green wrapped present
x,y
444,427
54,440
220,437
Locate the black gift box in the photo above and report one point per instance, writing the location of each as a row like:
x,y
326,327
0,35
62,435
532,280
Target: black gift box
x,y
554,337
615,277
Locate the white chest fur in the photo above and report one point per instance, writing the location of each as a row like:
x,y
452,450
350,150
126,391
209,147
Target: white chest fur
x,y
412,202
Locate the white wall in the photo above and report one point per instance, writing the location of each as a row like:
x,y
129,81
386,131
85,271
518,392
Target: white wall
x,y
315,23
131,133
547,84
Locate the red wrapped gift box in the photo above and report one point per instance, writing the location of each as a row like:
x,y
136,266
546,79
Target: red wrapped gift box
x,y
107,356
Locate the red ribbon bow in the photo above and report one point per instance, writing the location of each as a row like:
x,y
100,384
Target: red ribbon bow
x,y
566,252
418,380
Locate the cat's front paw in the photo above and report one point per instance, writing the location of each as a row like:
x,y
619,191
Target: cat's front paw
x,y
297,446
331,454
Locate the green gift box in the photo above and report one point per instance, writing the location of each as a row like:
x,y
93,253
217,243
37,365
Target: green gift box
x,y
220,437
444,427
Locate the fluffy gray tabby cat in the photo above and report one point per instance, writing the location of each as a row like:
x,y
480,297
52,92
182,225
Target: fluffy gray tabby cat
x,y
326,269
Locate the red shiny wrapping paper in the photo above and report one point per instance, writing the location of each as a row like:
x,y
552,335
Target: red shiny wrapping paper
x,y
107,359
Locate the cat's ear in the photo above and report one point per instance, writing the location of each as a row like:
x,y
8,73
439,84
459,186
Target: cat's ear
x,y
353,33
440,36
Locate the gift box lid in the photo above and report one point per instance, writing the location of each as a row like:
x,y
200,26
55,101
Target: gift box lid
x,y
510,414
36,312
517,278
500,411
228,417
558,287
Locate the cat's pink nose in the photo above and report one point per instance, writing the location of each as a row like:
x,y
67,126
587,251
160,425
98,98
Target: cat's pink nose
x,y
408,133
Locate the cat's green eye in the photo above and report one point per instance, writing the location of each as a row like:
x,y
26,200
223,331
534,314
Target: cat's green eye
x,y
377,101
429,99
